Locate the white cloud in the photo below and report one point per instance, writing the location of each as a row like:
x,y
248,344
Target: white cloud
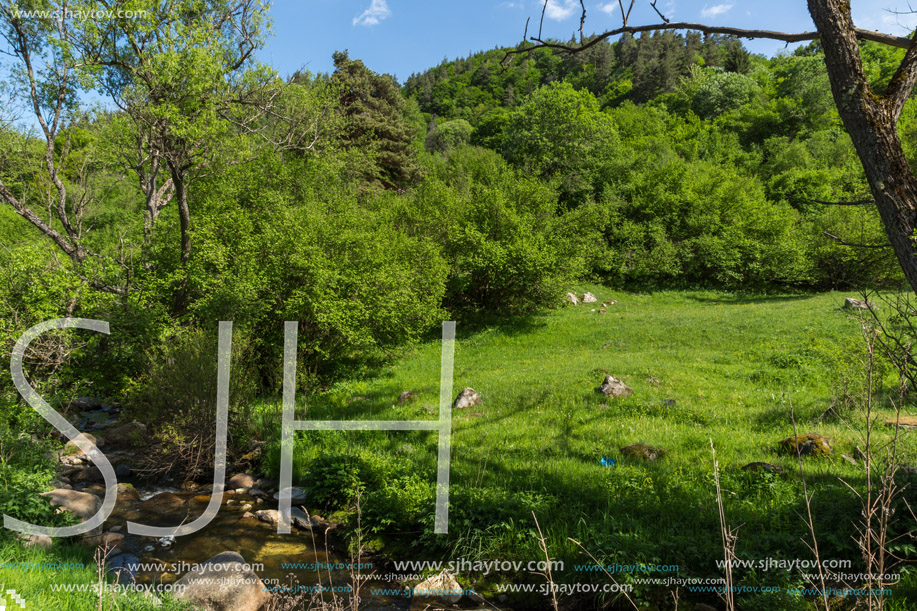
x,y
558,10
716,10
377,11
609,8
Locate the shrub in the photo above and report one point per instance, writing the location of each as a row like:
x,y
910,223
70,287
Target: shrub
x,y
507,248
177,399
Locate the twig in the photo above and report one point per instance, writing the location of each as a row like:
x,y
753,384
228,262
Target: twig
x,y
548,575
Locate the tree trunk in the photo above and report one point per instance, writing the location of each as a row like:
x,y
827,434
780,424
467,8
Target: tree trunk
x,y
184,214
871,120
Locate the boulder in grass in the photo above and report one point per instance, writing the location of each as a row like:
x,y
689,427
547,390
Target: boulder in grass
x,y
406,396
613,387
224,583
806,444
858,304
466,398
81,504
642,451
572,299
589,298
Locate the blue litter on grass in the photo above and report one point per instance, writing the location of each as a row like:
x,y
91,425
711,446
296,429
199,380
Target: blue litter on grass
x,y
607,462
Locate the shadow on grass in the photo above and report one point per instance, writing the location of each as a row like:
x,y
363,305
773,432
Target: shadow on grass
x,y
471,323
748,298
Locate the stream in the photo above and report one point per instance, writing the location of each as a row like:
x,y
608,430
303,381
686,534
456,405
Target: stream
x,y
234,528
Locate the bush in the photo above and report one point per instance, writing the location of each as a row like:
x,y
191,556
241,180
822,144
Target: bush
x,y
177,400
508,250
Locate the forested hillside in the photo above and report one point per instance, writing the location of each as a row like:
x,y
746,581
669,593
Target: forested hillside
x,y
702,164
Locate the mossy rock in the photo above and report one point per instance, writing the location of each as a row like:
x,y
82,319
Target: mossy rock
x,y
807,444
641,450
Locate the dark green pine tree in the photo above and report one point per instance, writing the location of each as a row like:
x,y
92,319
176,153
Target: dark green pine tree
x,y
373,109
737,58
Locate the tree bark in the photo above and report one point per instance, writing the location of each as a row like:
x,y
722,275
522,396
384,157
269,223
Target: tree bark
x,y
184,213
871,120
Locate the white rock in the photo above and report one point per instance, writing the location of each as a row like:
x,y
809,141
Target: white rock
x,y
442,587
466,398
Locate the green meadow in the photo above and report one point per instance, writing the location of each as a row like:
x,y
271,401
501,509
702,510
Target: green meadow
x,y
705,366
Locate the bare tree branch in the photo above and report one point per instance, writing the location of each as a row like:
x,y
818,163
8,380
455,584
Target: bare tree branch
x,y
853,244
861,34
860,202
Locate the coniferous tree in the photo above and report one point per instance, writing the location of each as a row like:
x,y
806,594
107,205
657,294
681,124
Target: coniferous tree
x,y
373,108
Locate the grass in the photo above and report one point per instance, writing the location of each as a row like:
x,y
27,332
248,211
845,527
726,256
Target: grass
x,y
704,365
35,573
733,364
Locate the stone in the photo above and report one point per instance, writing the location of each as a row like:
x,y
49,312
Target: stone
x,y
163,501
123,471
89,474
466,398
641,450
109,539
223,583
572,299
246,507
850,459
71,449
443,587
126,433
253,455
807,444
241,480
858,304
126,492
603,311
257,493
297,495
85,404
265,483
298,518
613,387
124,568
763,466
406,396
609,302
39,541
81,504
589,298
74,462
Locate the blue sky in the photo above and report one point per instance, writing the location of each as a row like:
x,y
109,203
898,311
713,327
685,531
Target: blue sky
x,y
404,36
